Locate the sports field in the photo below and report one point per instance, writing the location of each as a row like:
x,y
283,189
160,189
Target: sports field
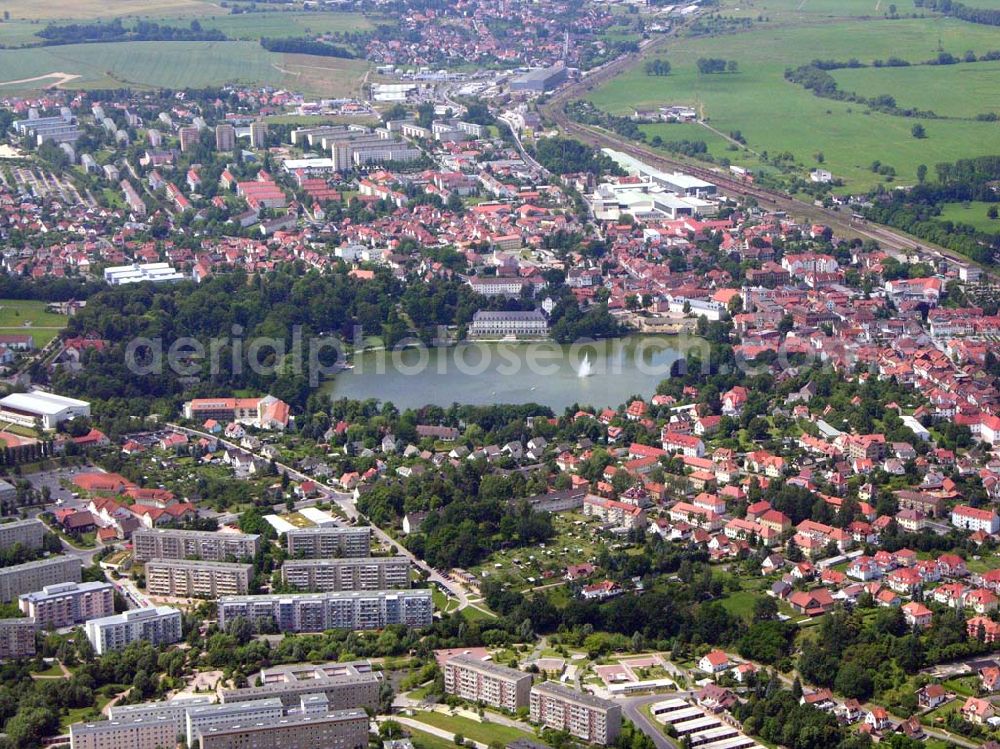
x,y
178,65
29,316
776,116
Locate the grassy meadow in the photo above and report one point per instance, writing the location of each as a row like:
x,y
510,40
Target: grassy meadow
x,y
776,116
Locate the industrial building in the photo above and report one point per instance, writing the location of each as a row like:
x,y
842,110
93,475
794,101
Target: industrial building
x,y
317,612
40,408
351,573
539,81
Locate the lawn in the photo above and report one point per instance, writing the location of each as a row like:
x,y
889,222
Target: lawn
x,y
422,740
741,603
484,732
29,316
178,65
972,213
777,116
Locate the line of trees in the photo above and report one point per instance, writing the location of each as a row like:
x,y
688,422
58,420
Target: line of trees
x,y
116,31
305,46
986,16
658,67
713,65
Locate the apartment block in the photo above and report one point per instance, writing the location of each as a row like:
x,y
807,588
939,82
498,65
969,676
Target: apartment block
x,y
31,576
225,137
345,685
159,625
28,533
318,612
587,717
169,543
147,725
351,573
66,604
203,717
17,638
344,729
477,680
329,542
190,578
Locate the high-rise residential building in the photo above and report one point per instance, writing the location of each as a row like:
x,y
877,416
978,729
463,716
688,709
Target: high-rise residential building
x,y
29,533
318,612
474,679
349,573
203,717
31,576
225,137
17,638
66,604
170,543
258,134
189,137
328,542
345,685
146,725
195,578
590,718
343,729
159,625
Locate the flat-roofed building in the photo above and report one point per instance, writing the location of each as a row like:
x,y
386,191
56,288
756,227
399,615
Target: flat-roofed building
x,y
584,716
17,638
202,717
120,275
146,725
66,604
343,729
318,612
45,409
345,685
29,533
170,543
329,542
197,578
477,680
31,576
158,625
540,80
350,573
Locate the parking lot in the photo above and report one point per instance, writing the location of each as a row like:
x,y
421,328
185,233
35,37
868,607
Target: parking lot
x,y
54,479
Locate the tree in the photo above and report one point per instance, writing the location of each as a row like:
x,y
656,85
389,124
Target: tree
x,y
992,212
922,173
918,131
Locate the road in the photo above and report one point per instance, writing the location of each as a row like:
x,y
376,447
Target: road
x,y
347,505
632,709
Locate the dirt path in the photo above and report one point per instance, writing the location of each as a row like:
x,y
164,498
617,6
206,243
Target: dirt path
x,y
64,78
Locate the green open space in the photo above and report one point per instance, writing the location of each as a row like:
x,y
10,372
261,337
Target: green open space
x,y
177,65
972,213
30,316
776,116
471,729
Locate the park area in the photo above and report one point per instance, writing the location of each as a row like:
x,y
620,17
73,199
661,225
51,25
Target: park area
x,y
776,116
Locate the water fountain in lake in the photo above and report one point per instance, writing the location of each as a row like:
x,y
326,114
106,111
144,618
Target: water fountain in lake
x,y
585,367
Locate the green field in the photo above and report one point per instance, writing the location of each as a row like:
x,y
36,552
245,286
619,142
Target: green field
x,y
28,316
962,90
177,65
83,9
776,116
470,729
973,214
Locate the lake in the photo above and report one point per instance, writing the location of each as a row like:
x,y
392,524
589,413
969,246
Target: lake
x,y
484,373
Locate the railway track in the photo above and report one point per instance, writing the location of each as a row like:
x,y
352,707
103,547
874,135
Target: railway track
x,y
553,110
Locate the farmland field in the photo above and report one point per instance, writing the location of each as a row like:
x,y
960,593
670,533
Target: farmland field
x,y
32,9
178,65
972,213
777,116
